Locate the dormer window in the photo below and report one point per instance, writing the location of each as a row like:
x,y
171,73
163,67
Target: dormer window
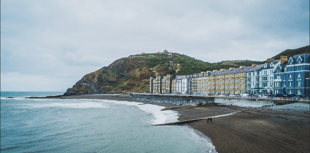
x,y
290,61
299,59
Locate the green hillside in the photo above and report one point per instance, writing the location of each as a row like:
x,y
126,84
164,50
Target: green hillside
x,y
292,52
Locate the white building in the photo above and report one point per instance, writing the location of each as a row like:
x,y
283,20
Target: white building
x,y
181,84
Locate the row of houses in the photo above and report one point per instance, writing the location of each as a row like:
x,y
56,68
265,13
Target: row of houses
x,y
283,76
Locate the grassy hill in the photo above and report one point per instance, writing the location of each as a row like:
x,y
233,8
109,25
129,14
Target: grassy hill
x,y
131,74
292,52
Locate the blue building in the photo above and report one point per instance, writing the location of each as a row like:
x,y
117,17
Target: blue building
x,y
292,76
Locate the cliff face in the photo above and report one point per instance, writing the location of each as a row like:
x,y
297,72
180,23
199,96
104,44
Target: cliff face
x,y
123,75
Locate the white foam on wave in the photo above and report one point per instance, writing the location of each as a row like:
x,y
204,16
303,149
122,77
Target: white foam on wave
x,y
161,117
15,98
70,105
205,142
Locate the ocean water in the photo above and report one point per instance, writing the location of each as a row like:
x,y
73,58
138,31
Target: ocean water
x,y
66,125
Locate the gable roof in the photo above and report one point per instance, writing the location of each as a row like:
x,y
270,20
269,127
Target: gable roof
x,y
291,59
299,58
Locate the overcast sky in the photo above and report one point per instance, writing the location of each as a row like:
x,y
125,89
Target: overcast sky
x,y
48,45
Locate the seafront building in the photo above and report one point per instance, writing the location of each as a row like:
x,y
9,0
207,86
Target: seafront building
x,y
267,76
253,80
292,77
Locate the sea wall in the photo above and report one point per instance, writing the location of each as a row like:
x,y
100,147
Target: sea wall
x,y
190,99
173,99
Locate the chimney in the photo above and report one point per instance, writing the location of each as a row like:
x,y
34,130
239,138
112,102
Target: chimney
x,y
253,65
242,67
214,70
231,68
283,59
270,59
222,69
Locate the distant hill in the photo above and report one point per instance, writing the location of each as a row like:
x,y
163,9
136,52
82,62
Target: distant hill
x,y
292,52
131,74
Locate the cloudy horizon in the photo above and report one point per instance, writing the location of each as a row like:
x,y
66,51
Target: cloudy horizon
x,y
50,45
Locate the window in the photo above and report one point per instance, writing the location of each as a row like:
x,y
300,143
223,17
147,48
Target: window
x,y
217,87
237,80
298,92
231,81
231,86
299,83
231,92
237,91
298,76
284,78
243,86
222,86
243,91
226,92
237,86
243,80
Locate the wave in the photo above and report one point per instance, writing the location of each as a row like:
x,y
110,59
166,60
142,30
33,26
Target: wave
x,y
205,142
15,98
161,117
70,105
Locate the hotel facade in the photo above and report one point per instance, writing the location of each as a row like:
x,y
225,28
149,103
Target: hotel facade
x,y
269,78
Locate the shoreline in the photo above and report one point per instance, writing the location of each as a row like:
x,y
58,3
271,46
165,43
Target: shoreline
x,y
250,130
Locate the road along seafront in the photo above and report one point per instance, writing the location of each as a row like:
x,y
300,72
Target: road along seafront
x,y
252,129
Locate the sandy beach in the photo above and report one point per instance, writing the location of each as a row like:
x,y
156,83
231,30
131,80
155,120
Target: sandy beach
x,y
260,130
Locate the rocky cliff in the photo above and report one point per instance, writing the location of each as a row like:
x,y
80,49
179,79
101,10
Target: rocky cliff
x,y
123,75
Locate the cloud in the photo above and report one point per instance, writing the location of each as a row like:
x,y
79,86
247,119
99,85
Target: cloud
x,y
66,39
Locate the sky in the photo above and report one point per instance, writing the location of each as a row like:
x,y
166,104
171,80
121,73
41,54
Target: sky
x,y
48,45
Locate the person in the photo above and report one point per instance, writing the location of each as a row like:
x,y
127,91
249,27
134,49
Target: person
x,y
210,119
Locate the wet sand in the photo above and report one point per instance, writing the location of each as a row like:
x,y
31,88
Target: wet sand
x,y
251,130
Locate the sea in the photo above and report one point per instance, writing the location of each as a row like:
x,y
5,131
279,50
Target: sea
x,y
92,126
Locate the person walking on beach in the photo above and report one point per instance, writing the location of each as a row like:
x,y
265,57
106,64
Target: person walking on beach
x,y
208,120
